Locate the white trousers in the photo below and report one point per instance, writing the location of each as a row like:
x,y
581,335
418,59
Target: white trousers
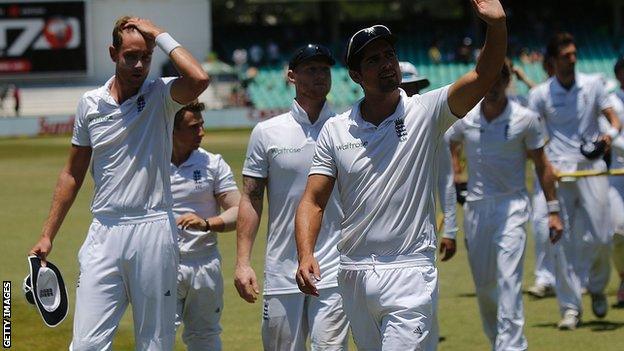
x,y
616,198
121,262
288,320
390,301
200,301
585,211
495,239
544,253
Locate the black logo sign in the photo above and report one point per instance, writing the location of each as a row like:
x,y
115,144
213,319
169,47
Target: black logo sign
x,y
399,128
48,292
140,103
197,176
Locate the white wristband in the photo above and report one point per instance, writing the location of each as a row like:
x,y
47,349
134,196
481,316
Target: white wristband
x,y
612,132
553,206
166,43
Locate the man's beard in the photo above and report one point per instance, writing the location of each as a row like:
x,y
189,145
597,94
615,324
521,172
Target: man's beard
x,y
387,86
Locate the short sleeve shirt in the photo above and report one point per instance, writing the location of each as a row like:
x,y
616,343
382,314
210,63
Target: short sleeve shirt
x,y
194,187
386,175
131,146
570,115
496,150
281,149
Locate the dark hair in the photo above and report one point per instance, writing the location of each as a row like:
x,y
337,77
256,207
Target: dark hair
x,y
192,107
118,29
619,64
558,41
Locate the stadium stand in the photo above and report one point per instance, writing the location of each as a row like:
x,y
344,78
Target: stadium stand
x,y
269,90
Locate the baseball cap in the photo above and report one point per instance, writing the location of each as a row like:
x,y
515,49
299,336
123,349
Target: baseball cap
x,y
409,75
44,287
309,51
365,36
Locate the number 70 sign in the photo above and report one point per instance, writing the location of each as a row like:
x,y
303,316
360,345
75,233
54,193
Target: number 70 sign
x,y
39,34
43,39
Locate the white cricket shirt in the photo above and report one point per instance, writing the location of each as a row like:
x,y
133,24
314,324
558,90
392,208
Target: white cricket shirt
x,y
386,175
194,187
131,146
496,150
571,116
281,150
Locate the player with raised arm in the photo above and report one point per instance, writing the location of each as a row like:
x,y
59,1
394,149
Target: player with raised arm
x,y
381,157
124,130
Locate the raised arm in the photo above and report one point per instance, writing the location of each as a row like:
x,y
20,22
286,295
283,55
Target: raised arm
x,y
193,79
547,179
249,212
307,226
69,182
466,92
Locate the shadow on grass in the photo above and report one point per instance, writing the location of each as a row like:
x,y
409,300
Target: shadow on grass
x,y
595,325
467,295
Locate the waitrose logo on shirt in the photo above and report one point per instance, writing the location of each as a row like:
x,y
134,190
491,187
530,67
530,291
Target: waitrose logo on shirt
x,y
284,150
350,145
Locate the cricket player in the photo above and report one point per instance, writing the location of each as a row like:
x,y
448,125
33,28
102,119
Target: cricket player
x,y
498,135
201,184
616,189
381,155
279,155
130,254
570,104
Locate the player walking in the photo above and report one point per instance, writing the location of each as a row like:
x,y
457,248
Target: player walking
x,y
130,253
570,104
201,184
381,155
498,135
279,156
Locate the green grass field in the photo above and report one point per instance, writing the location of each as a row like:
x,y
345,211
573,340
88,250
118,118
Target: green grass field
x,y
29,167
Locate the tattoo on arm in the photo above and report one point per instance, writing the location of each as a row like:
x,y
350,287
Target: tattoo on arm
x,y
254,189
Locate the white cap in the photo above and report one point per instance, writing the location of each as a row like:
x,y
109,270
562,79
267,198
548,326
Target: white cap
x,y
409,74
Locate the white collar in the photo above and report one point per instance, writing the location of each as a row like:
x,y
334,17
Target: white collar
x,y
193,159
109,98
301,116
560,89
355,117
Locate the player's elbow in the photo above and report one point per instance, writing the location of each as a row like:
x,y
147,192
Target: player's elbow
x,y
197,83
202,82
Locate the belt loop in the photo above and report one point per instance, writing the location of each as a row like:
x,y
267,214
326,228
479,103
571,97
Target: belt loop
x,y
373,259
